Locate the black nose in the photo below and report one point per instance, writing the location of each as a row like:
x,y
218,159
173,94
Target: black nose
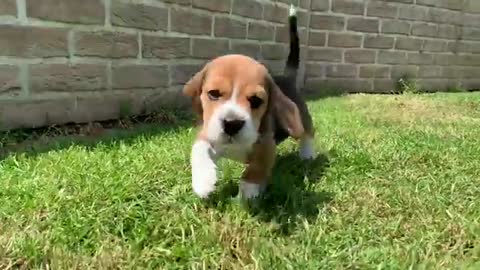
x,y
232,127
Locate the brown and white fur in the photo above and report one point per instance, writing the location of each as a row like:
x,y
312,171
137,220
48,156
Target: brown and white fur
x,y
244,113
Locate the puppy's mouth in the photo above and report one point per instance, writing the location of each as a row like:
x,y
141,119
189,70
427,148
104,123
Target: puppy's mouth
x,y
227,139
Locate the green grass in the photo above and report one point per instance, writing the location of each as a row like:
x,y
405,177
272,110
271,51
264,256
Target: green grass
x,y
397,186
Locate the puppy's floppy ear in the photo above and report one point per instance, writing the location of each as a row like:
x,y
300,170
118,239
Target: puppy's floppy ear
x,y
285,110
193,89
194,86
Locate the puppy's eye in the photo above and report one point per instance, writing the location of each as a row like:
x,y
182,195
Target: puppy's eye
x,y
255,102
214,94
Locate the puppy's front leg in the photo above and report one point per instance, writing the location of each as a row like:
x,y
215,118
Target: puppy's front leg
x,y
204,168
258,171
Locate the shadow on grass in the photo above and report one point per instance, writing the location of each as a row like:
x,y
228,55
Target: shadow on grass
x,y
33,142
291,195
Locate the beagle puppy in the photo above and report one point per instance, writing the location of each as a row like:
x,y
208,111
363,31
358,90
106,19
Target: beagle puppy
x,y
244,113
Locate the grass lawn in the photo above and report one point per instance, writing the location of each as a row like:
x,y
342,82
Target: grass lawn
x,y
397,186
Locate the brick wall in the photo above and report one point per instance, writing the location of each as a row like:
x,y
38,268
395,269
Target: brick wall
x,y
360,45
71,60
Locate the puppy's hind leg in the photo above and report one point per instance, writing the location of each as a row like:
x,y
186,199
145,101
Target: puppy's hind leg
x,y
307,141
204,168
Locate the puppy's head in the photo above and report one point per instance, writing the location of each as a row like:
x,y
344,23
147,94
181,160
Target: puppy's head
x,y
234,95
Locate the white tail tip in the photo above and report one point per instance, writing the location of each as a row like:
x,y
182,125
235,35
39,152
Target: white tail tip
x,y
293,11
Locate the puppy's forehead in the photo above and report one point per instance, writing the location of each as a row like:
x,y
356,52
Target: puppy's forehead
x,y
238,69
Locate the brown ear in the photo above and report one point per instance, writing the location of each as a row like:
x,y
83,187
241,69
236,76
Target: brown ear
x,y
194,86
285,110
193,89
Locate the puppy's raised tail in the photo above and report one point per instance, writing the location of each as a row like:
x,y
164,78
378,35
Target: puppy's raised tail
x,y
293,60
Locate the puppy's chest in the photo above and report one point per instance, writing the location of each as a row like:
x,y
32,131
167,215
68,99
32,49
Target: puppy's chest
x,y
234,152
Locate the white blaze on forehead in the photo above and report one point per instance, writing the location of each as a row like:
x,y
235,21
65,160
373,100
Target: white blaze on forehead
x,y
238,146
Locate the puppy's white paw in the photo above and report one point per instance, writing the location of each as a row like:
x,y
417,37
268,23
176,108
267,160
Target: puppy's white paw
x,y
204,169
250,190
203,181
307,149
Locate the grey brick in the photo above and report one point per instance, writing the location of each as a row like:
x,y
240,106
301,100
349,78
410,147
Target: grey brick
x,y
363,25
378,42
32,42
382,9
427,2
165,47
230,28
212,5
106,44
420,59
9,80
468,73
424,30
317,38
408,43
464,46
384,85
360,56
325,54
8,7
470,20
472,6
327,22
402,1
470,84
247,48
274,51
248,8
320,5
395,27
209,48
444,16
468,60
179,2
404,71
139,16
471,33
449,72
374,71
340,85
341,71
274,12
275,67
315,70
414,13
429,72
447,31
282,34
348,6
344,40
260,31
434,45
139,76
181,73
391,57
70,11
190,22
302,18
306,3
67,78
445,59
